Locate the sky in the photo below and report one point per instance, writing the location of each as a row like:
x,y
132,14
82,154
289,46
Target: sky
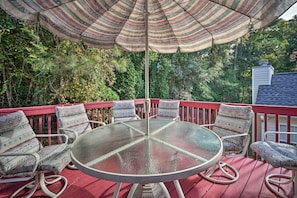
x,y
290,13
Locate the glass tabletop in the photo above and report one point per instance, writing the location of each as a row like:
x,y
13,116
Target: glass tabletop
x,y
122,152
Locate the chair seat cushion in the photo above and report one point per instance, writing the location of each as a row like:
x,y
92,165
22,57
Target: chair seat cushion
x,y
276,154
54,158
10,165
231,147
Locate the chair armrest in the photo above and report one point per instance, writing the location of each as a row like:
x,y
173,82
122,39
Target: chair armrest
x,y
176,118
206,125
277,132
234,136
35,155
153,116
97,122
55,135
69,130
244,149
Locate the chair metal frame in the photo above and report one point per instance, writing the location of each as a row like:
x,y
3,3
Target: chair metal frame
x,y
71,128
62,130
229,172
271,183
40,177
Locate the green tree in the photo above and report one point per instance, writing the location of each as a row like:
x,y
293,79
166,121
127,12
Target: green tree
x,y
125,82
18,45
75,73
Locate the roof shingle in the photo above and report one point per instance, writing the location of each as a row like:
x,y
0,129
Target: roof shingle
x,y
282,91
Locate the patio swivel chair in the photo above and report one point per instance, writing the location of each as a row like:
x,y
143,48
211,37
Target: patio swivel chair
x,y
22,157
278,155
168,110
124,111
232,125
74,122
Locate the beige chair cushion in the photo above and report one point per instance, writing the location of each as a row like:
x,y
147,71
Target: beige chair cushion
x,y
14,129
74,118
124,110
233,120
20,165
168,109
17,136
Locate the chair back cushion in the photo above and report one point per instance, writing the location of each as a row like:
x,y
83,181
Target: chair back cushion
x,y
124,110
168,109
14,130
232,120
16,136
74,118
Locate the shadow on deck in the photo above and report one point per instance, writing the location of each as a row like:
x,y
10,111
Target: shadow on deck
x,y
251,184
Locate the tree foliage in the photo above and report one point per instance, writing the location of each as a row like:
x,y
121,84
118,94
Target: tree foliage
x,y
39,68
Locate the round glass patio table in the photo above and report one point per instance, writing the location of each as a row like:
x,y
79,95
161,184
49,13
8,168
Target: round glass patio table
x,y
123,152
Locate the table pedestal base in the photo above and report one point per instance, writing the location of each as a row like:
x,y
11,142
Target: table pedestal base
x,y
154,190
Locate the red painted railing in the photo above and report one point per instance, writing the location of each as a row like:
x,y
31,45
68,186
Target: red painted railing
x,y
43,118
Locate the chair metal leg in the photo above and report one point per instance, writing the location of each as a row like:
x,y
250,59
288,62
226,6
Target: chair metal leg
x,y
295,183
272,183
179,189
117,190
132,190
224,168
31,185
51,179
149,190
43,181
165,191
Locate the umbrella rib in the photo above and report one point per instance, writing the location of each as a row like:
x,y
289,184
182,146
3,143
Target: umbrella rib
x,y
196,21
242,13
215,2
251,23
124,24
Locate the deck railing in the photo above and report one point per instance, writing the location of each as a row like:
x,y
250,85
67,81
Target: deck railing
x,y
266,118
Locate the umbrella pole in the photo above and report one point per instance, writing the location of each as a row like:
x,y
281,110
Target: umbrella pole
x,y
147,99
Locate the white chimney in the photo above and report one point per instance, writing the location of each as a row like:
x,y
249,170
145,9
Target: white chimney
x,y
261,75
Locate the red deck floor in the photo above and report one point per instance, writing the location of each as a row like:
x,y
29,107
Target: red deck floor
x,y
250,184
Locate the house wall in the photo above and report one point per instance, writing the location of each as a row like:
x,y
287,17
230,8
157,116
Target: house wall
x,y
261,75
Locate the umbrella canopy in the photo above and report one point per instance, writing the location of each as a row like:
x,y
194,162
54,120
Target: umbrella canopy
x,y
187,25
163,26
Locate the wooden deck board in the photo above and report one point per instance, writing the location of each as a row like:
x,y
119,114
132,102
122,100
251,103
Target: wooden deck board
x,y
251,183
255,182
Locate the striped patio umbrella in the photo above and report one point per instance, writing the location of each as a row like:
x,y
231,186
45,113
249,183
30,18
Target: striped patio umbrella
x,y
163,26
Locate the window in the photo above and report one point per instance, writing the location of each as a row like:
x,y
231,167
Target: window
x,y
283,137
